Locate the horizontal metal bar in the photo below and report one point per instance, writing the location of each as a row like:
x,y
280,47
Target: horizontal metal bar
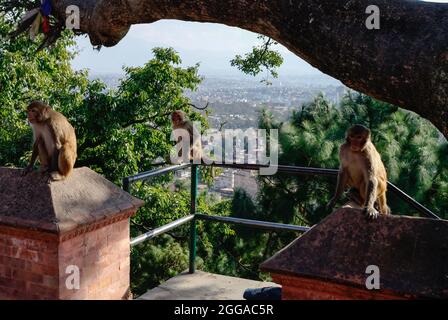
x,y
292,170
157,172
254,223
333,172
164,229
282,169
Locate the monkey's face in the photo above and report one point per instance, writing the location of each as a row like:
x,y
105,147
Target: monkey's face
x,y
357,142
36,114
176,118
358,136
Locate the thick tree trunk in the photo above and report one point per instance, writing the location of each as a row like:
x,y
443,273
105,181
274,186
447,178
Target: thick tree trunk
x,y
405,62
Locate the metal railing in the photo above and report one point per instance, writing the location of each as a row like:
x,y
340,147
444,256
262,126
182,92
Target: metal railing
x,y
271,226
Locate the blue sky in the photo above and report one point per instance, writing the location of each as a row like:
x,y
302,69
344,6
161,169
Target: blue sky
x,y
212,45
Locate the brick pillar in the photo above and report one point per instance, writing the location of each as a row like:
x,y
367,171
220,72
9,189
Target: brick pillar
x,y
331,261
49,234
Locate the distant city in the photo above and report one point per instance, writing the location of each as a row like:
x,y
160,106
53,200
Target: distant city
x,y
235,102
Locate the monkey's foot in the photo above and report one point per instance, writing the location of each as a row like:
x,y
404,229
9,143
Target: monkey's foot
x,y
372,213
47,178
50,177
56,176
387,211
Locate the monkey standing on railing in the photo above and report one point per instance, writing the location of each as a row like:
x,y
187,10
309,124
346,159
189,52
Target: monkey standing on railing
x,y
54,142
180,121
362,169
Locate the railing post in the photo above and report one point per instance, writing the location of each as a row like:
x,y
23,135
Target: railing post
x,y
126,185
193,233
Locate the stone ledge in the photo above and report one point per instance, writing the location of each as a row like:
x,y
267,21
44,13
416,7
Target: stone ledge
x,y
412,253
84,199
203,286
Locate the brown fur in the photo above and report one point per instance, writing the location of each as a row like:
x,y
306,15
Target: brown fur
x,y
180,121
362,169
54,141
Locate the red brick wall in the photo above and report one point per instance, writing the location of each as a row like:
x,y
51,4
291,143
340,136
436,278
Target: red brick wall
x,y
28,264
296,288
33,264
102,257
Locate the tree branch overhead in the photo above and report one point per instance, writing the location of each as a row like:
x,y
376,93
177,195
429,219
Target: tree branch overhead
x,y
404,62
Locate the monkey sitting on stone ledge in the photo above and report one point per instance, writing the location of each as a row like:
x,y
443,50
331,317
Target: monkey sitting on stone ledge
x,y
362,170
54,142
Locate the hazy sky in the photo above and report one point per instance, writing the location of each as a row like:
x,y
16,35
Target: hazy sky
x,y
212,45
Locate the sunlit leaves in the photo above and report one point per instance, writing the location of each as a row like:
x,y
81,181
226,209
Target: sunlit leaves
x,y
262,58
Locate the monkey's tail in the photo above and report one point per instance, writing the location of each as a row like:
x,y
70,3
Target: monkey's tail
x,y
66,162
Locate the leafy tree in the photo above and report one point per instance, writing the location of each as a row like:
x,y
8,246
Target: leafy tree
x,y
261,58
154,262
126,129
25,75
242,204
231,250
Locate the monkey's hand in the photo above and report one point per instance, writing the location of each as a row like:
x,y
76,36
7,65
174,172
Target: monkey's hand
x,y
27,170
371,212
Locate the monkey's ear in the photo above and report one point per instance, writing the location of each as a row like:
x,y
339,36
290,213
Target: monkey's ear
x,y
46,112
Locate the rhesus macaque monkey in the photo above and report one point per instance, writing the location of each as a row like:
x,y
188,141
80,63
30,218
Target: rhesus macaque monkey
x,y
54,142
362,169
180,121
